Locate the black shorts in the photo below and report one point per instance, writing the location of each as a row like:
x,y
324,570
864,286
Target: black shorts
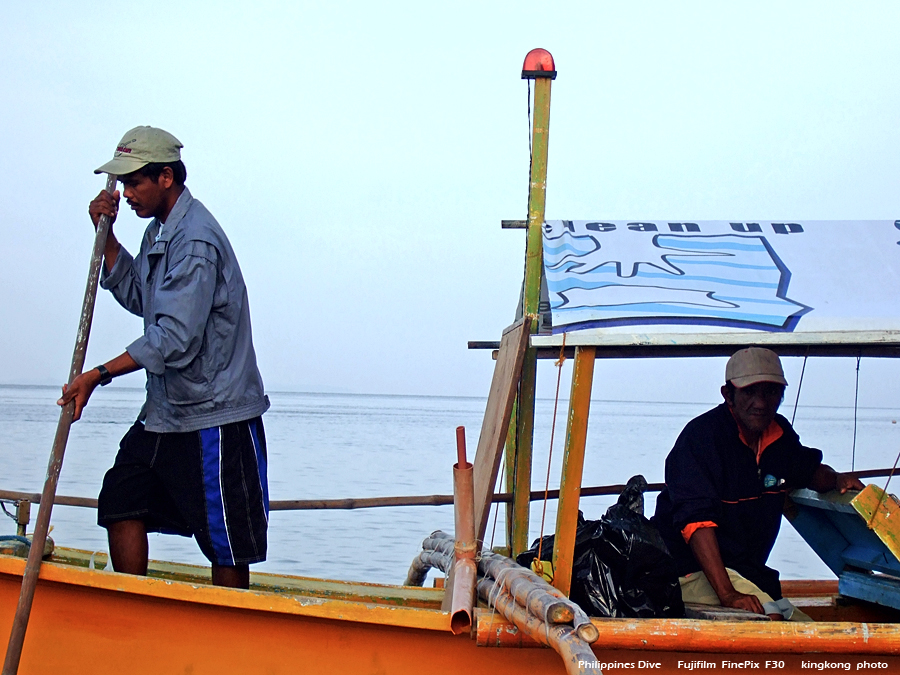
x,y
209,484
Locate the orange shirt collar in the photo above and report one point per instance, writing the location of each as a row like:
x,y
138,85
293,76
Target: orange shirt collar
x,y
772,433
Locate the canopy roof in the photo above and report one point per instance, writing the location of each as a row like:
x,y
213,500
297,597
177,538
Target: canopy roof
x,y
798,287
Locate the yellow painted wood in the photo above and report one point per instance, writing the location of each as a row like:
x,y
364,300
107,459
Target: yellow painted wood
x,y
357,591
294,604
573,466
886,523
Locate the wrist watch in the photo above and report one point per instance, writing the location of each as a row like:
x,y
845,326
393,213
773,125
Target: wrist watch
x,y
105,377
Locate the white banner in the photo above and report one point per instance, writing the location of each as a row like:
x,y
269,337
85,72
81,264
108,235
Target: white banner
x,y
801,276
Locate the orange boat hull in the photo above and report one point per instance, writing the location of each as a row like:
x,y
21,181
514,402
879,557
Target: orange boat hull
x,y
86,621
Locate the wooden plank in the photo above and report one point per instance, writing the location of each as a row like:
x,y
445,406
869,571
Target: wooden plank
x,y
573,467
504,383
819,531
356,591
631,351
599,337
718,613
836,527
877,588
886,510
74,581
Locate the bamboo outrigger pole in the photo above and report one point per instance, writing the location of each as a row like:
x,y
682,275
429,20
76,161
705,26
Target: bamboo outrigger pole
x,y
42,525
538,66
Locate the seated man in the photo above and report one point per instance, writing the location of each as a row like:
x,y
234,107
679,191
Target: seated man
x,y
726,480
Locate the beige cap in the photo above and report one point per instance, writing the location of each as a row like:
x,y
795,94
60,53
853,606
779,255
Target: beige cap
x,y
752,365
141,146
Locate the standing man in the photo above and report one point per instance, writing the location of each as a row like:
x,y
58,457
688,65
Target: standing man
x,y
194,463
726,480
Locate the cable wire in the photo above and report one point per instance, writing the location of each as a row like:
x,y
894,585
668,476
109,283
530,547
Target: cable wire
x,y
855,417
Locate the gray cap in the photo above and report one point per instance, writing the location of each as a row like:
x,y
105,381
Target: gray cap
x,y
752,365
142,146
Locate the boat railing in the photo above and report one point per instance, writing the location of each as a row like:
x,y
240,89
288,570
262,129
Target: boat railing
x,y
13,496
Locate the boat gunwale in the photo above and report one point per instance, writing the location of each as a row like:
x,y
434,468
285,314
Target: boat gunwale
x,y
255,599
650,634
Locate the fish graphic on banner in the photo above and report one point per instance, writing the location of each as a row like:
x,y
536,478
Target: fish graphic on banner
x,y
603,274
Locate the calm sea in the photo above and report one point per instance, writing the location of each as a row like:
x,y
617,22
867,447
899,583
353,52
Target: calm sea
x,y
325,446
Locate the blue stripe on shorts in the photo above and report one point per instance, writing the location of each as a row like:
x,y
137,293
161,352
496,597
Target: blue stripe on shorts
x,y
210,440
261,468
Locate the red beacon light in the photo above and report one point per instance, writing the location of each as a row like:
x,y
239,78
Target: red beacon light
x,y
538,64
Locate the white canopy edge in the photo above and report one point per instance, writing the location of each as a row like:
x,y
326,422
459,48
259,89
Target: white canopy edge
x,y
599,337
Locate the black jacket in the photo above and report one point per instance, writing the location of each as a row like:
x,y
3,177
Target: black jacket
x,y
711,475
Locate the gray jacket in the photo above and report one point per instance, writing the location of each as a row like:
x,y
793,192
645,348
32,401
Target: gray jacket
x,y
197,346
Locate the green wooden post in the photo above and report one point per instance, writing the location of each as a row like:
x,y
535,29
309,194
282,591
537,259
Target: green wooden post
x,y
521,491
538,66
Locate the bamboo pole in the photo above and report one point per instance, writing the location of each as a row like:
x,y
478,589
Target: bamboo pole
x,y
424,561
42,524
521,585
573,465
575,652
518,515
493,565
690,636
381,502
529,590
547,603
567,640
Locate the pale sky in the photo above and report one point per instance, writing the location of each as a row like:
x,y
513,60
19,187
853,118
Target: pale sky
x,y
360,157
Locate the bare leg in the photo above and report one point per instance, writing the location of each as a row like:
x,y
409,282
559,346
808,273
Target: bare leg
x,y
128,546
233,577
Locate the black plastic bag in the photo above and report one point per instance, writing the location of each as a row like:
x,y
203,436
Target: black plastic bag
x,y
622,567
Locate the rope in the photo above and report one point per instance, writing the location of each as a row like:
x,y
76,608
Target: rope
x,y
3,506
884,494
515,463
799,386
855,409
497,506
559,365
492,597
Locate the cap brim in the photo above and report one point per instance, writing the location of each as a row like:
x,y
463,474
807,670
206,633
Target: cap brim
x,y
747,380
121,166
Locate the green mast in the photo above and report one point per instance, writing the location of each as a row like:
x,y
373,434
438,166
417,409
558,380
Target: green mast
x,y
539,66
